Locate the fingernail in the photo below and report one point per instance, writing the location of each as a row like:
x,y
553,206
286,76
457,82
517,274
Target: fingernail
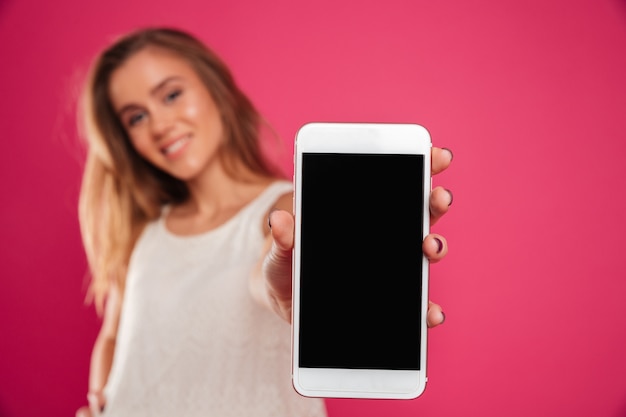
x,y
439,245
269,218
451,197
443,317
451,154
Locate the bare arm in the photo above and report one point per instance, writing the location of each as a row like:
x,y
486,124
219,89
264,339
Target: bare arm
x,y
102,353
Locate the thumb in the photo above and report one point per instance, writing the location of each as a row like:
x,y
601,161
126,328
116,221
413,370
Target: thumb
x,y
282,228
277,263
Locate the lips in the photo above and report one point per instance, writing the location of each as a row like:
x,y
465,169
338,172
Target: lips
x,y
176,145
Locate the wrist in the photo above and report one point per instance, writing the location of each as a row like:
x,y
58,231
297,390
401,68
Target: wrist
x,y
96,399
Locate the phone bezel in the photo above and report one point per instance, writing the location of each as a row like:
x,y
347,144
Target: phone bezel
x,y
366,138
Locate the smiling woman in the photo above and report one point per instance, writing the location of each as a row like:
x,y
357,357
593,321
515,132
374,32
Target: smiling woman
x,y
189,232
165,108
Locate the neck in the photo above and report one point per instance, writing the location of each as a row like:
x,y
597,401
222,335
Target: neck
x,y
215,190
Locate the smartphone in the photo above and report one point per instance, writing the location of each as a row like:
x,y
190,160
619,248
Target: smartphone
x,y
360,278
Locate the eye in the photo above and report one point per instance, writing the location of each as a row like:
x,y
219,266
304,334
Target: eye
x,y
136,118
173,95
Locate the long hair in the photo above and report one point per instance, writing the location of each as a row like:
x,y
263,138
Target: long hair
x,y
121,191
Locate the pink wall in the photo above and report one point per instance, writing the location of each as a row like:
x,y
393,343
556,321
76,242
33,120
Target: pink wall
x,y
530,95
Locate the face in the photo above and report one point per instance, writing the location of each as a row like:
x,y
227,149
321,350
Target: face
x,y
169,114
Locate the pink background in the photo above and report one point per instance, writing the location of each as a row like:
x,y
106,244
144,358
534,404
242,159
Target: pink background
x,y
530,96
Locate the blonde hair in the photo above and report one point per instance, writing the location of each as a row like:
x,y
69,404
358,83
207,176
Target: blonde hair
x,y
121,191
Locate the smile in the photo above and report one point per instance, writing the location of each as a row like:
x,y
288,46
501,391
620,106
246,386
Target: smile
x,y
176,145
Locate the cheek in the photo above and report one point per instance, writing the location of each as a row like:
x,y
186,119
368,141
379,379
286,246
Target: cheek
x,y
203,111
192,109
142,145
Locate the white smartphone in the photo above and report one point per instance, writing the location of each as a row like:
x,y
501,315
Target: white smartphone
x,y
360,288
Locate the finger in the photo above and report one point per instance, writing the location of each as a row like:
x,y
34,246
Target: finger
x,y
83,412
96,402
435,316
440,159
440,202
435,247
277,262
282,226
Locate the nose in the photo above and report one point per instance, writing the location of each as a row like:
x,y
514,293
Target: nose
x,y
161,123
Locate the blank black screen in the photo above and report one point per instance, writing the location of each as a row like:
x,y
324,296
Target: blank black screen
x,y
361,261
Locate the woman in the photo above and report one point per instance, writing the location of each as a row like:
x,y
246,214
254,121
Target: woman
x,y
188,232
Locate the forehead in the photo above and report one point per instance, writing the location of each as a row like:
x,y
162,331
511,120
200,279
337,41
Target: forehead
x,y
143,71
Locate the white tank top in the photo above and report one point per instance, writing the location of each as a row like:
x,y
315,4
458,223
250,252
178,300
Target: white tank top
x,y
191,340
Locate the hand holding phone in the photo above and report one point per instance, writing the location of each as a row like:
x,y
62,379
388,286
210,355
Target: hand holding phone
x,y
360,293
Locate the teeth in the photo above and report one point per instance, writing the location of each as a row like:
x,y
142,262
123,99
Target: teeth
x,y
176,145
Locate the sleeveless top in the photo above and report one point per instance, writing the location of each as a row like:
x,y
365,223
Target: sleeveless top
x,y
191,340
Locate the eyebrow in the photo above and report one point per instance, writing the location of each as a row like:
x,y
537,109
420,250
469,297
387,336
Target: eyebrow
x,y
154,91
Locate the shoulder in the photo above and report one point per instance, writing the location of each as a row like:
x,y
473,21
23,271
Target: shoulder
x,y
283,194
279,194
284,202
